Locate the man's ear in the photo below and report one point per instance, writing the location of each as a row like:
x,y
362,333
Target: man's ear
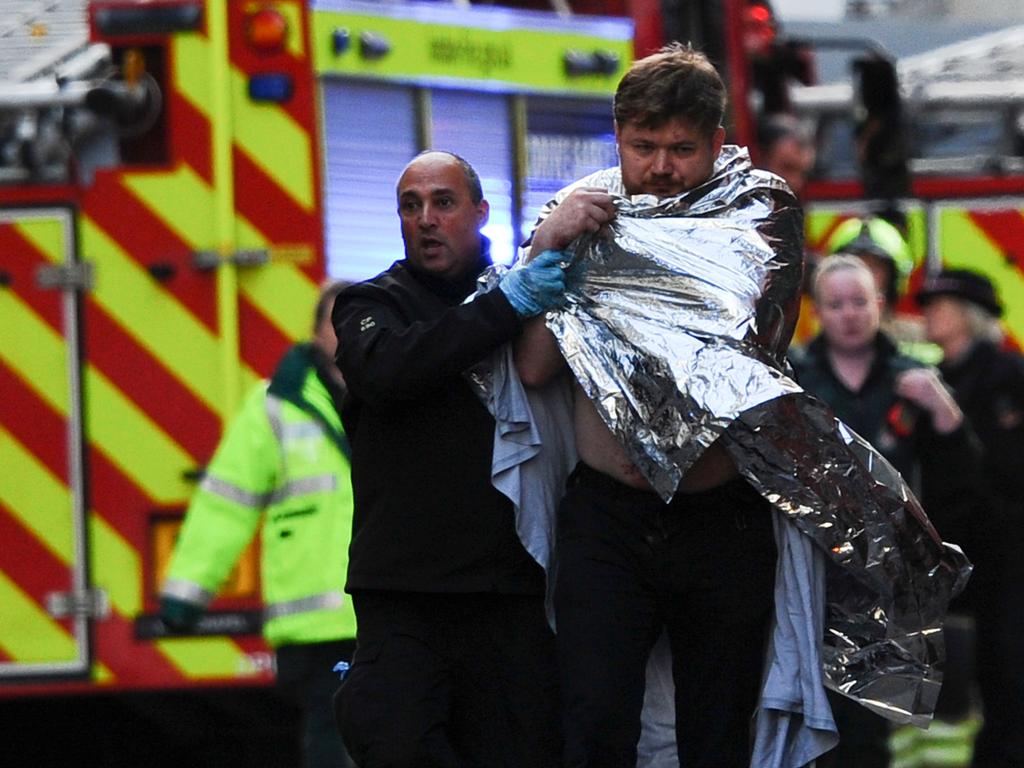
x,y
717,140
483,212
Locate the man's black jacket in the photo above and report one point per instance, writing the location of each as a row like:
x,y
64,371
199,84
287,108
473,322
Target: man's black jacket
x,y
426,518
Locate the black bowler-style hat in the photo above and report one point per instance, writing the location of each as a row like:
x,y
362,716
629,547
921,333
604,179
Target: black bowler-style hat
x,y
961,284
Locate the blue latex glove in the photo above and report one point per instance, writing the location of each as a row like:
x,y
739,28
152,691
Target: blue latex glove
x,y
179,615
537,286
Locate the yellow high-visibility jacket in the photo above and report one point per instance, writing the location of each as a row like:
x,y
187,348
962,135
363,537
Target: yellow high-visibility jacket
x,y
283,460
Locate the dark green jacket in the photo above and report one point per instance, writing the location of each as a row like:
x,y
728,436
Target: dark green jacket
x,y
941,469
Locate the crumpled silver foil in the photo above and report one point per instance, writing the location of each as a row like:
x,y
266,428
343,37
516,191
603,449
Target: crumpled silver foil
x,y
675,327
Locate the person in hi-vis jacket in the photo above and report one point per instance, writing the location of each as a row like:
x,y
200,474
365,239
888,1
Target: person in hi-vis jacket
x,y
283,462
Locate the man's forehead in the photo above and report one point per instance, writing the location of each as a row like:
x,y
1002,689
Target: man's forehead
x,y
676,129
432,175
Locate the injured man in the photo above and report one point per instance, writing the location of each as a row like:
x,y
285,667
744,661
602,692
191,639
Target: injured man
x,y
687,497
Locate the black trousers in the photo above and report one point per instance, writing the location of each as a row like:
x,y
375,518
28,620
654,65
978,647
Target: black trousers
x,y
863,736
306,678
998,608
629,565
446,681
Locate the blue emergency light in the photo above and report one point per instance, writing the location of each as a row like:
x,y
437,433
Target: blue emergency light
x,y
271,86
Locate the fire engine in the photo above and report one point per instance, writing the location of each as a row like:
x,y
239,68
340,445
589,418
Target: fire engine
x,y
177,177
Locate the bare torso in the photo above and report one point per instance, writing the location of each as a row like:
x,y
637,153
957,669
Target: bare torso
x,y
599,449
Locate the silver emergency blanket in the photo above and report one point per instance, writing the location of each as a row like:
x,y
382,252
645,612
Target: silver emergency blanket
x,y
675,326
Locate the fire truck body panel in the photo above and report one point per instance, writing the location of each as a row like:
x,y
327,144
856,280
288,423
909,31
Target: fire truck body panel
x,y
44,485
157,262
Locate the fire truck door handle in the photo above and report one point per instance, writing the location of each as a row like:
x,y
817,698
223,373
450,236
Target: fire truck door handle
x,y
254,257
205,261
209,260
75,276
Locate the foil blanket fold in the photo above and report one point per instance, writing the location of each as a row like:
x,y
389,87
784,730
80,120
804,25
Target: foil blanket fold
x,y
675,326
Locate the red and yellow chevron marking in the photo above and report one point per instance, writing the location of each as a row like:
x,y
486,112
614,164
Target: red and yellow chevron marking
x,y
35,504
36,507
277,181
989,240
153,353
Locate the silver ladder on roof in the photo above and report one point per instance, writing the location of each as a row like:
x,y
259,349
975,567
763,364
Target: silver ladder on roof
x,y
984,70
37,36
987,70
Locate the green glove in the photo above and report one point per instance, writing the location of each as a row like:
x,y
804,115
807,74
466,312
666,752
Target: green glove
x,y
179,615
